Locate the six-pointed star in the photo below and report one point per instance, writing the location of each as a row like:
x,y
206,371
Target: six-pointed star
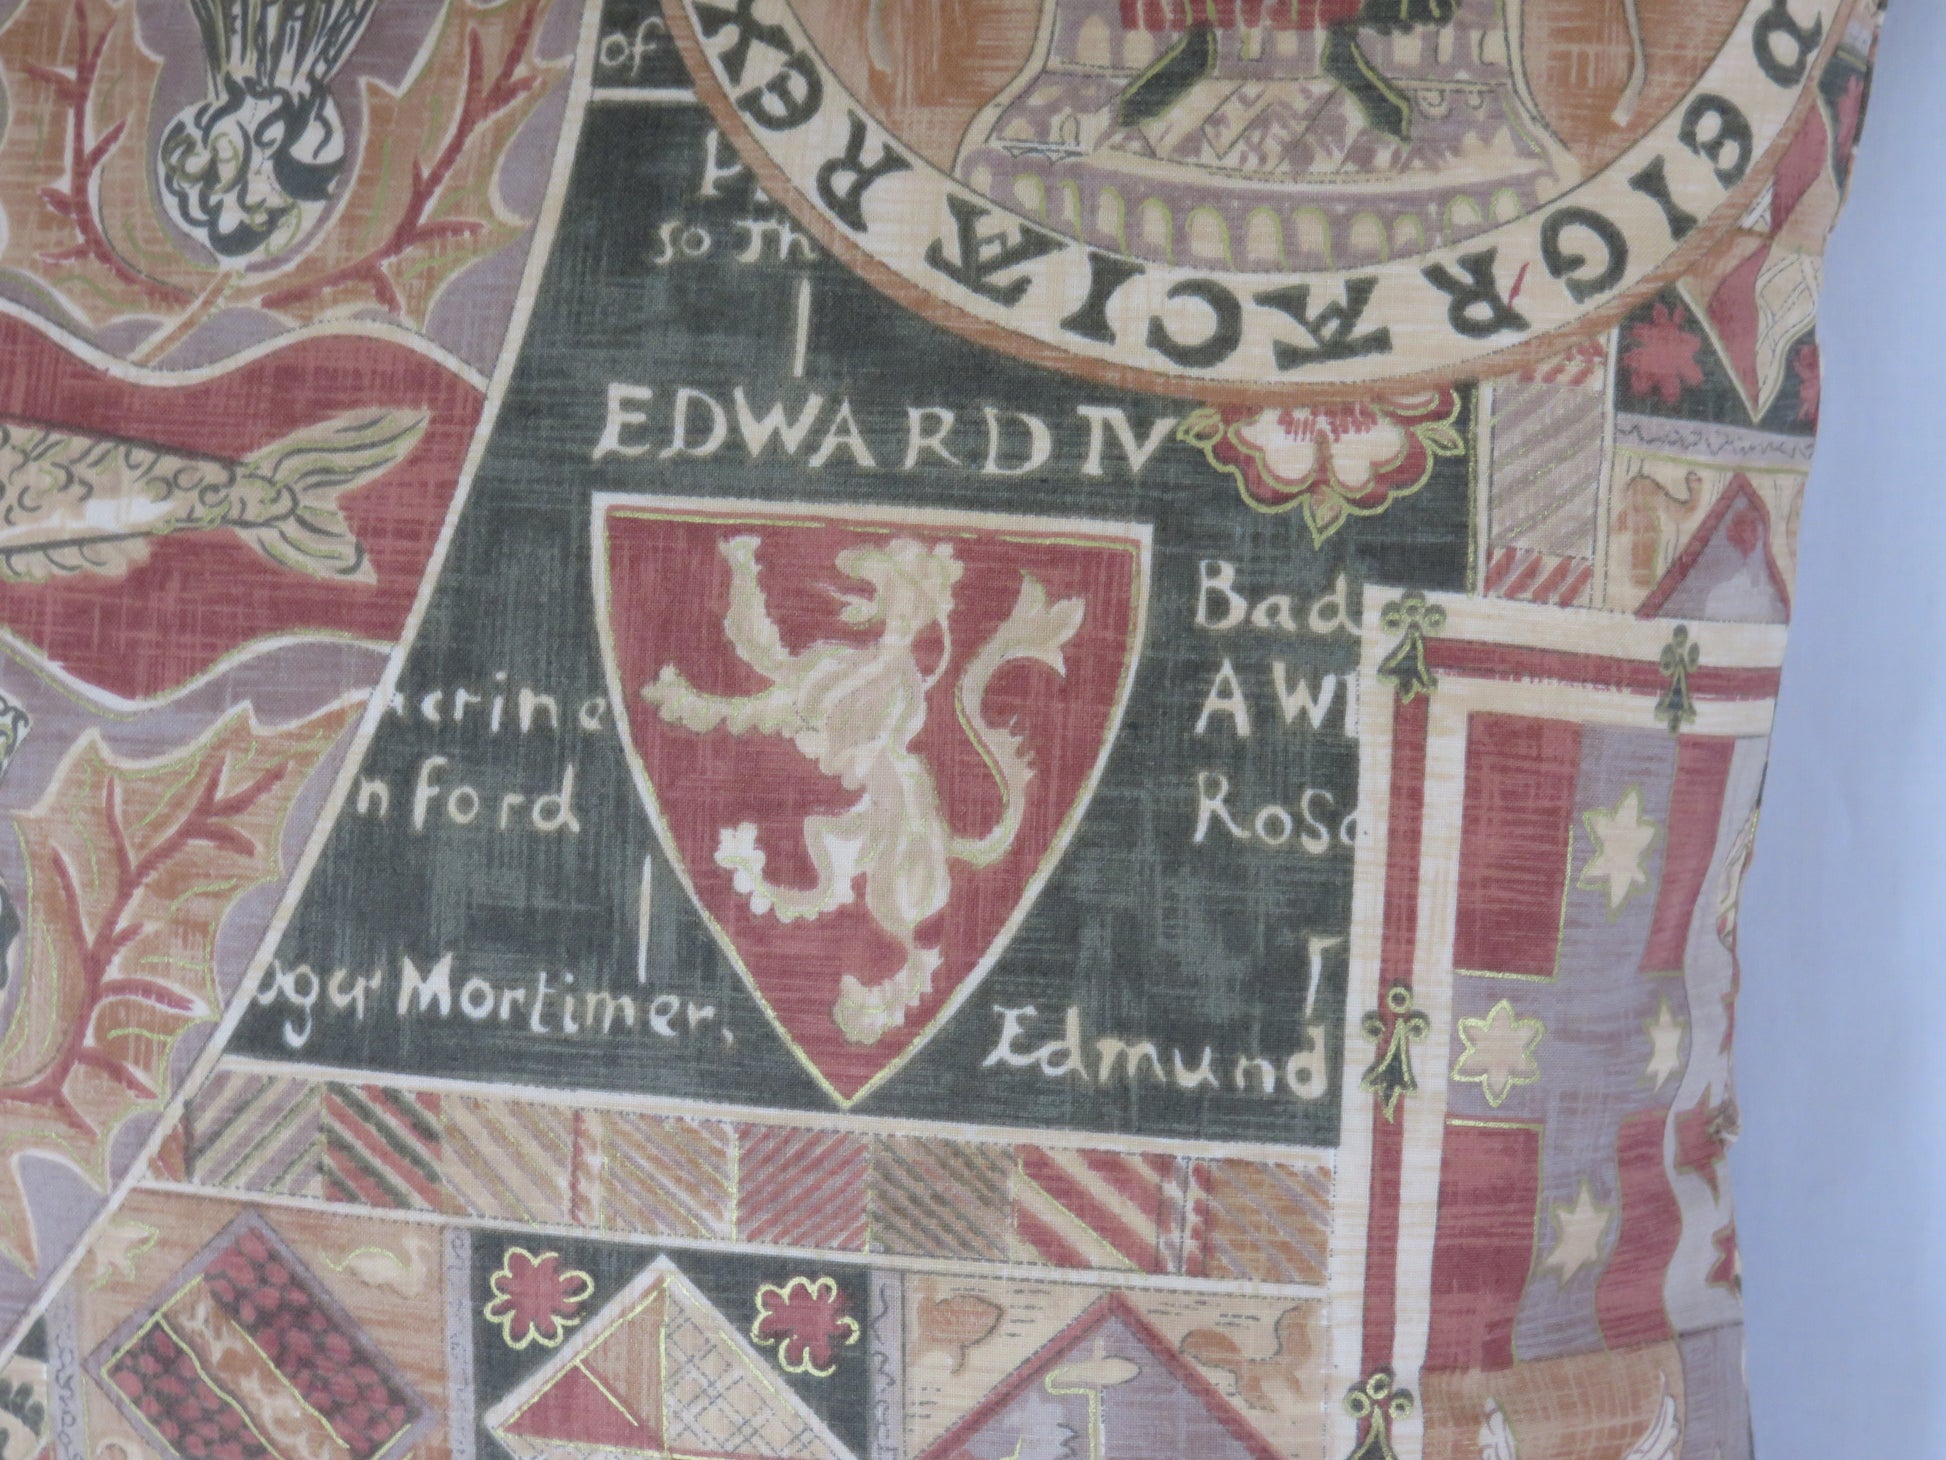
x,y
1665,1033
1580,1227
1499,1051
1623,837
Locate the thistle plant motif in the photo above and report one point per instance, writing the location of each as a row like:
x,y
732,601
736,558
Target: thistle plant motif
x,y
250,167
259,193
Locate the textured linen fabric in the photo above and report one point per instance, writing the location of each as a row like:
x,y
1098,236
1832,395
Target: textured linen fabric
x,y
778,729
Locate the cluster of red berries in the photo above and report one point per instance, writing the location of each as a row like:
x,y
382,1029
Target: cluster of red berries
x,y
159,1377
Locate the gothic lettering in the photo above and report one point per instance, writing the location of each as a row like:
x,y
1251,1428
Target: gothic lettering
x,y
1475,307
780,106
1652,182
1333,329
1225,329
1731,133
1784,48
1567,265
1106,274
848,202
982,257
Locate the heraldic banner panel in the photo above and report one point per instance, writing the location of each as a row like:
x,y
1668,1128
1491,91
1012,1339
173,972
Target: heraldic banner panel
x,y
860,730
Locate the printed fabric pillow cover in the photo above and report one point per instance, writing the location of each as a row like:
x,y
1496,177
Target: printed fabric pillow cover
x,y
861,730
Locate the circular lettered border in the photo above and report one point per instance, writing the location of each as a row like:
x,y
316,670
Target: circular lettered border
x,y
1501,299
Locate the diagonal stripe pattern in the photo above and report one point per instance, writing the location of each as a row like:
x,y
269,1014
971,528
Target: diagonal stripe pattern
x,y
509,1159
931,1198
801,1188
1097,1209
256,1133
381,1147
667,1177
1265,1222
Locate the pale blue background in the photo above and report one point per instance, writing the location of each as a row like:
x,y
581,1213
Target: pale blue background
x,y
1841,1172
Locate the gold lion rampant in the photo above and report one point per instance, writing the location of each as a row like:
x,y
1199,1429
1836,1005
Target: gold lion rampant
x,y
855,709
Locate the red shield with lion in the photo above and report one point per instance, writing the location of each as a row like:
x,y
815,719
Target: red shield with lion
x,y
865,739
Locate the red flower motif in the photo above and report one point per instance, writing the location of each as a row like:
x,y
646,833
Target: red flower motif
x,y
1337,461
1807,365
806,1319
536,1299
1576,365
1661,355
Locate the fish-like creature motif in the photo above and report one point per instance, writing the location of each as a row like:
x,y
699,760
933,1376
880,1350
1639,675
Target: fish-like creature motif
x,y
77,503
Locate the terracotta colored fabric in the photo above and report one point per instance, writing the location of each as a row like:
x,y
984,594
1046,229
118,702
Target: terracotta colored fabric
x,y
780,729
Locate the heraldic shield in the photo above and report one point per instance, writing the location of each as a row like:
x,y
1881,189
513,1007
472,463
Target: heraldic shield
x,y
865,739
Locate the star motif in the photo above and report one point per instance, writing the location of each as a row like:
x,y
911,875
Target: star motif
x,y
1727,1271
1580,1228
1665,1033
1703,1136
1623,837
1499,1052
